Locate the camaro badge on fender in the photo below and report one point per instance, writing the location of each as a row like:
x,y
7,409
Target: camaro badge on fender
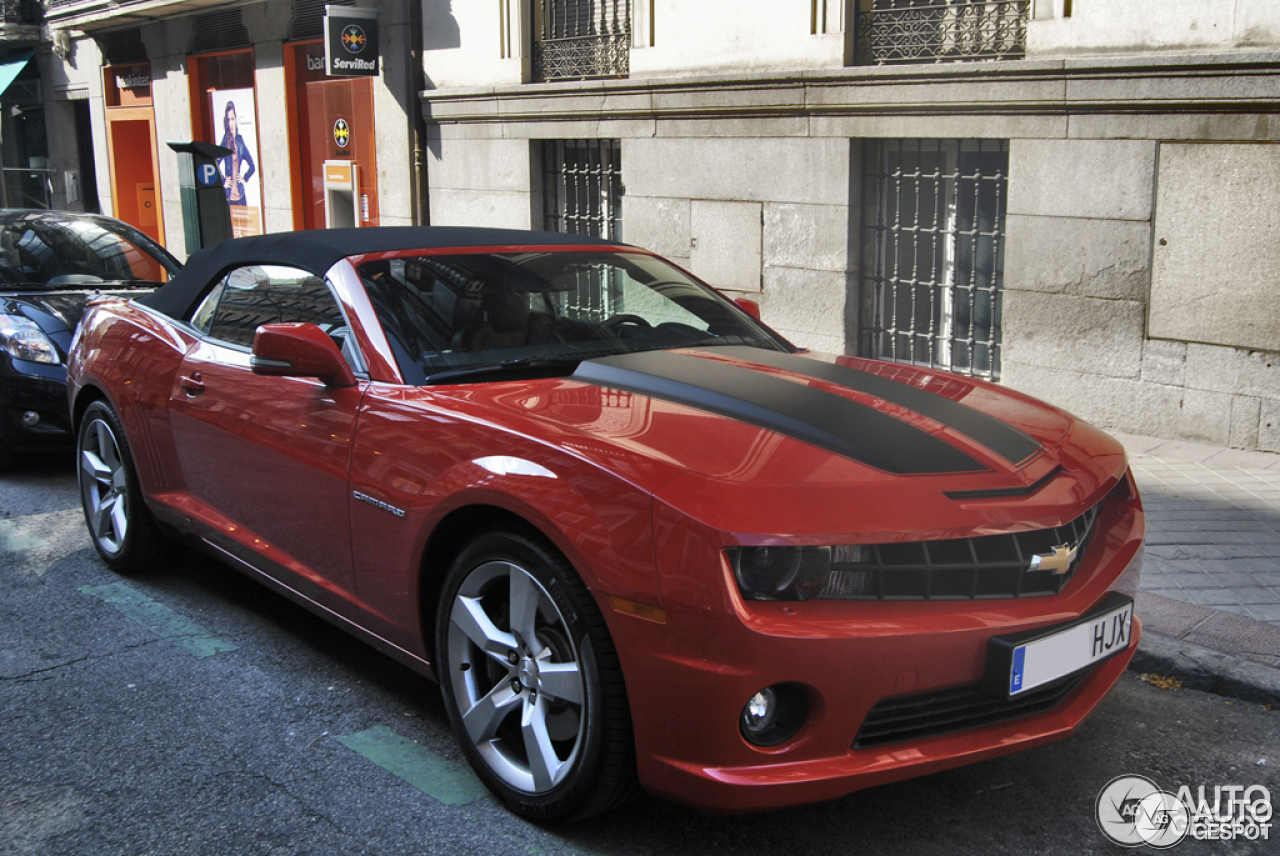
x,y
1057,562
377,503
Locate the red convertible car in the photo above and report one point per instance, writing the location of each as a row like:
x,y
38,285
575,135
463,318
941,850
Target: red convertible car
x,y
638,538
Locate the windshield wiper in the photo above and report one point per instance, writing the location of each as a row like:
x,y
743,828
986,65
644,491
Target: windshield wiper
x,y
516,367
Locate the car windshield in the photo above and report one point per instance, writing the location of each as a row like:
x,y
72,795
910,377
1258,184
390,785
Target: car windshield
x,y
447,314
76,254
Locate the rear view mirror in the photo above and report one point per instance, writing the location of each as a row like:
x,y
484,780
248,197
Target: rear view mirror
x,y
299,350
749,306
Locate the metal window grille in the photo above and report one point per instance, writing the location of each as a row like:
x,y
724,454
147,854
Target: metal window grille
x,y
308,18
220,31
578,39
933,253
123,47
582,195
902,31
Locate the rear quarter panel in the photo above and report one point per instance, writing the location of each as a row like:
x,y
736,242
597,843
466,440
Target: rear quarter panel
x,y
129,357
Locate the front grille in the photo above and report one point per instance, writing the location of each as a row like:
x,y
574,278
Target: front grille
x,y
986,567
944,711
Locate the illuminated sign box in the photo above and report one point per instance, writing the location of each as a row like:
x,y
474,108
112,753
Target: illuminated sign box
x,y
350,41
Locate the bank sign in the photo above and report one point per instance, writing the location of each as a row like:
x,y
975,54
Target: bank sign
x,y
350,41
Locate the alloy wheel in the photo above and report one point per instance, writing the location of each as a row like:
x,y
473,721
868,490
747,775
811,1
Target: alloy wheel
x,y
104,486
517,677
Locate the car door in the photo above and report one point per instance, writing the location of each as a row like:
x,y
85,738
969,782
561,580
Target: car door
x,y
265,459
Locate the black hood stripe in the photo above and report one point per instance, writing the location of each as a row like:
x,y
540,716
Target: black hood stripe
x,y
1000,437
801,412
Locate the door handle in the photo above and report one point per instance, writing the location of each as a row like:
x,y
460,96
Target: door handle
x,y
192,385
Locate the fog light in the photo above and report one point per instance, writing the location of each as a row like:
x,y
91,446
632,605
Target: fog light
x,y
774,714
760,712
31,419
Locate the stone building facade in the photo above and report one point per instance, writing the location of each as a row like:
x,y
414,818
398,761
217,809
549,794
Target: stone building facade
x,y
1083,210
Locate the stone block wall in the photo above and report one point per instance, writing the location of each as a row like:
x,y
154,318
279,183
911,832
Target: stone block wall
x,y
764,218
480,180
1078,289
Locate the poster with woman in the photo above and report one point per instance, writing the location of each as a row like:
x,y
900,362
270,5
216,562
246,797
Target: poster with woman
x,y
235,120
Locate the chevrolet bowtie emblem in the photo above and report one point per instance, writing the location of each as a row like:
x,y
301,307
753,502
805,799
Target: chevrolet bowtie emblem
x,y
1057,562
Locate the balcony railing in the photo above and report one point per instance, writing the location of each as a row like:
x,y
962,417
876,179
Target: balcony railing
x,y
580,39
918,31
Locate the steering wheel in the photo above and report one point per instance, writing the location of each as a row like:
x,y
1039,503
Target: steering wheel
x,y
619,320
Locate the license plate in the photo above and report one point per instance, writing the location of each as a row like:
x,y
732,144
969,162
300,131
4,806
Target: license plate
x,y
1019,663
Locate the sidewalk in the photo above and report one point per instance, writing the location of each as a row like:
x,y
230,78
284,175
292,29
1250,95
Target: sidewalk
x,y
1210,598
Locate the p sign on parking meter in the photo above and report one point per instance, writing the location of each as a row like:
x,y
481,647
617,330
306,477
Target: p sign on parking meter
x,y
207,174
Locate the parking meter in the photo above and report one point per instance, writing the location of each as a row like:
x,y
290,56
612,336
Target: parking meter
x,y
206,214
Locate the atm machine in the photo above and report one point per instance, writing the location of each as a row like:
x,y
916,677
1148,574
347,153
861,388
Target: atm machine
x,y
345,206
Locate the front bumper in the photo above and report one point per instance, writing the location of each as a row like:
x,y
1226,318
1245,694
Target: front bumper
x,y
34,387
827,772
689,677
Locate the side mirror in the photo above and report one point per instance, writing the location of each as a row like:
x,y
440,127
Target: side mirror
x,y
749,306
299,350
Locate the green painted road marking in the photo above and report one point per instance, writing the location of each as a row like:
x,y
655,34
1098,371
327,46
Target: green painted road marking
x,y
160,619
13,540
430,773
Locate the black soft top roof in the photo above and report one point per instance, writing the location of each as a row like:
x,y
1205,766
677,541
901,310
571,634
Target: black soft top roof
x,y
318,250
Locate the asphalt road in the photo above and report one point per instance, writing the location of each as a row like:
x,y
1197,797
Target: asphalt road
x,y
193,712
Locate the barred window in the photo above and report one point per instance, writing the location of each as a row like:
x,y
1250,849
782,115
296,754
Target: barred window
x,y
582,195
933,253
899,31
579,39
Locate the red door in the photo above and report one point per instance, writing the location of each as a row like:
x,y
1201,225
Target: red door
x,y
267,458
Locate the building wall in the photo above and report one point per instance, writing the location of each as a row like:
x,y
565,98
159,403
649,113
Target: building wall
x,y
475,44
268,25
753,181
1083,285
1143,27
676,38
760,217
168,44
487,44
764,218
63,84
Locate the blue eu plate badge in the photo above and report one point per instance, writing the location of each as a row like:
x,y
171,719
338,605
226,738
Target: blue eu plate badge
x,y
1015,676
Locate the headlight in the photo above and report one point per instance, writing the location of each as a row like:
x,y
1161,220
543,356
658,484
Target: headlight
x,y
801,573
21,339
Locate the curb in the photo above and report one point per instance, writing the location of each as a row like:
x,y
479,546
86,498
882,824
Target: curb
x,y
1200,668
1208,649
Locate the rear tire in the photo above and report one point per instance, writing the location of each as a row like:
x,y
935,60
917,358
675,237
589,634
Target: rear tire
x,y
531,680
120,524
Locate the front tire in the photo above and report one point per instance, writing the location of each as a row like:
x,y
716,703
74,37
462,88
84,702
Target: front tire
x,y
531,680
120,524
